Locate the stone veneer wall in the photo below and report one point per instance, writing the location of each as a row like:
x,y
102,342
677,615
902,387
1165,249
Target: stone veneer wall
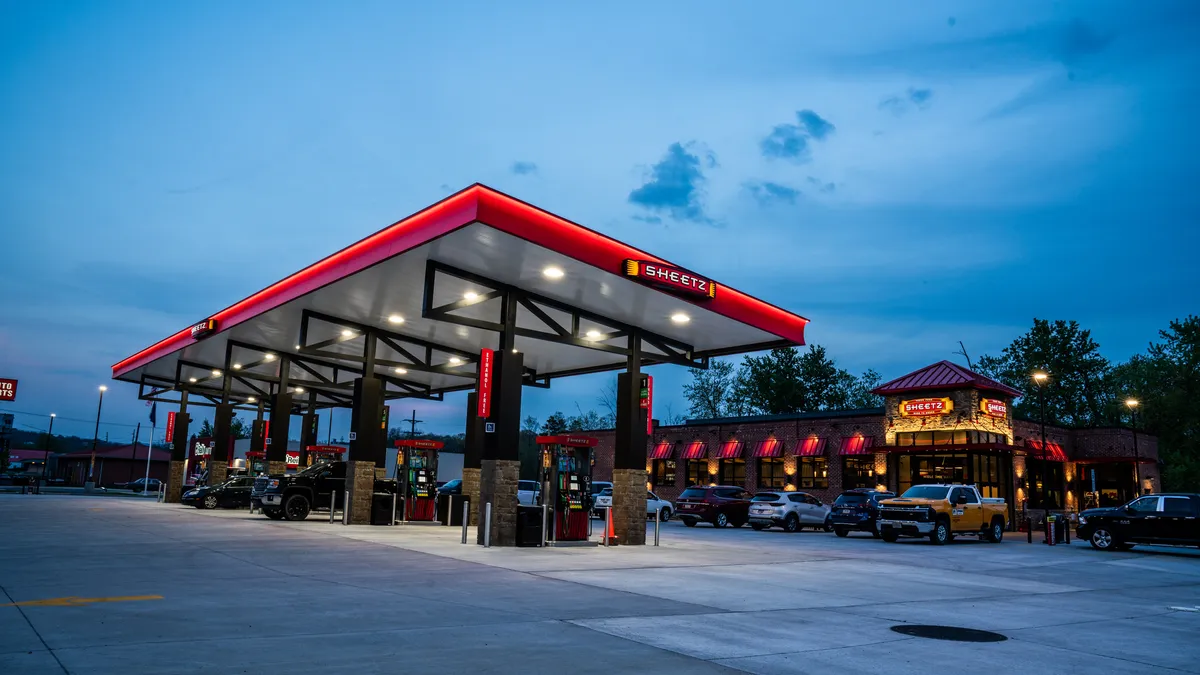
x,y
217,472
498,485
360,483
470,490
174,482
629,506
276,468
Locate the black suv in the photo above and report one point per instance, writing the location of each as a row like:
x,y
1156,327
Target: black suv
x,y
293,497
857,510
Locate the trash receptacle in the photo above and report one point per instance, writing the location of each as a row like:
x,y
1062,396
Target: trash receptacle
x,y
529,525
381,508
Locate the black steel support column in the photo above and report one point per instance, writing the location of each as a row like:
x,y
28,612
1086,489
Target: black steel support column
x,y
178,451
472,455
309,426
257,440
629,454
281,421
500,465
218,462
366,447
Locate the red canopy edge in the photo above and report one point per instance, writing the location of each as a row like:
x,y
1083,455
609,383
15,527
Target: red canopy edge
x,y
569,441
423,443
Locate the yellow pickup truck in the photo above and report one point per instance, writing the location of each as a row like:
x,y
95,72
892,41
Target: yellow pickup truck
x,y
940,512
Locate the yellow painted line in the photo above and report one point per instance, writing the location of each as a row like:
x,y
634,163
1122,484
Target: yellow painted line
x,y
74,601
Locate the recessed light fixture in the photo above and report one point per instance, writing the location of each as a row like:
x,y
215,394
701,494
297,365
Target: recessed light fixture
x,y
237,366
514,350
251,399
191,379
396,318
455,361
299,390
593,334
216,373
268,356
552,273
470,295
347,333
298,348
400,371
680,317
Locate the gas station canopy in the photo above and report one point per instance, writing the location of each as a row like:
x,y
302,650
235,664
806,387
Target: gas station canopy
x,y
423,297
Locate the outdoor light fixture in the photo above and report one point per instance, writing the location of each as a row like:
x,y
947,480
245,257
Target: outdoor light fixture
x,y
399,371
190,379
1040,377
593,334
251,399
552,273
455,361
237,366
1131,402
103,388
680,317
268,357
53,415
216,373
298,348
470,295
396,318
347,333
298,390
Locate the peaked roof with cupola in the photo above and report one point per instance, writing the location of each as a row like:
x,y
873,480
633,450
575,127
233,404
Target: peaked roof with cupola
x,y
943,375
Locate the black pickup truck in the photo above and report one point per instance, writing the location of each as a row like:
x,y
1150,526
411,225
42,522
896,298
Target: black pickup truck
x,y
294,496
1164,520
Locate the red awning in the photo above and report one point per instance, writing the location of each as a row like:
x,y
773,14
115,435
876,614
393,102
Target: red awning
x,y
856,445
769,448
810,447
695,450
663,450
1053,451
730,450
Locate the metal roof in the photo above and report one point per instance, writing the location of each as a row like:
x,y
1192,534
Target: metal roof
x,y
942,375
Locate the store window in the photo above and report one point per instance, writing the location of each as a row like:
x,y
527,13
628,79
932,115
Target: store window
x,y
814,473
858,472
733,472
1051,473
697,472
934,438
664,472
771,474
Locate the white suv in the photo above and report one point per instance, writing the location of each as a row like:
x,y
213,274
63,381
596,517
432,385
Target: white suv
x,y
653,504
790,510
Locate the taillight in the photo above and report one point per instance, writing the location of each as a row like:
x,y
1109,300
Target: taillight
x,y
776,503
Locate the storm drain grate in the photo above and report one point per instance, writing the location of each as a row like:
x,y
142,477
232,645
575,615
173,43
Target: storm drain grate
x,y
952,633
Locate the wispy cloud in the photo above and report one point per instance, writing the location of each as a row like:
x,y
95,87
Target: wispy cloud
x,y
768,193
913,98
792,141
676,184
522,168
821,186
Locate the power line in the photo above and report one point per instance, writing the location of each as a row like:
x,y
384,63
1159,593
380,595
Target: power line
x,y
69,419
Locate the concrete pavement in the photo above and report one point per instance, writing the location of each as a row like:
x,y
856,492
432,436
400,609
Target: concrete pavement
x,y
240,593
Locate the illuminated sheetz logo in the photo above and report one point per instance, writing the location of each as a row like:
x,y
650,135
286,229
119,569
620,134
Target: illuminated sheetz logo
x,y
671,278
926,407
994,408
204,329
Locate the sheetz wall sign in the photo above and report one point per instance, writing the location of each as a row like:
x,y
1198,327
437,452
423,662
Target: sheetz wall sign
x,y
925,407
204,329
671,278
993,407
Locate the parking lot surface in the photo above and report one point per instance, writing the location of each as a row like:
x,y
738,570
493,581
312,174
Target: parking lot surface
x,y
104,585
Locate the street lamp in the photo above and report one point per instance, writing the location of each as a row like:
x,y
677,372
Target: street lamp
x,y
46,451
1132,404
96,435
1040,378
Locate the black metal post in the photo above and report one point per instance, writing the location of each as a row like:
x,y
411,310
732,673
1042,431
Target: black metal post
x,y
1137,459
96,435
1045,468
46,451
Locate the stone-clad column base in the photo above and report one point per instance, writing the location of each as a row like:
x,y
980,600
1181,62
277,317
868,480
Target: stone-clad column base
x,y
498,485
360,483
217,472
174,482
470,490
276,468
629,506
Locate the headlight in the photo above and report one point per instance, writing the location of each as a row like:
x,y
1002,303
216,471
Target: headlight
x,y
273,483
1083,520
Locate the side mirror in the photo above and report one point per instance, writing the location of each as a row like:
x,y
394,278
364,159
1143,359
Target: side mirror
x,y
1129,509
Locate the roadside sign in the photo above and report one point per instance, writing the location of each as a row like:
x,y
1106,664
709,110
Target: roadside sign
x,y
8,389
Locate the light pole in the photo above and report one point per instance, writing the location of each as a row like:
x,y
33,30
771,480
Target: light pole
x,y
1041,379
46,450
1132,404
96,435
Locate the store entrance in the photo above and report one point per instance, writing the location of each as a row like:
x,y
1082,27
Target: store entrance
x,y
991,472
1114,481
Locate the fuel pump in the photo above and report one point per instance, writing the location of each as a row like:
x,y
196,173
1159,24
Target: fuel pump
x,y
257,459
567,484
416,469
324,453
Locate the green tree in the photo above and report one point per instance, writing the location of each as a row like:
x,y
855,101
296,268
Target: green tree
x,y
1079,391
206,429
1166,382
555,424
709,391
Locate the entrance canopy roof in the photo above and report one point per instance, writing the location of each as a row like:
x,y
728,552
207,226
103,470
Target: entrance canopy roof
x,y
417,301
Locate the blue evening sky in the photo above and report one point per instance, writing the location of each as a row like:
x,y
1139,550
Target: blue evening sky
x,y
904,174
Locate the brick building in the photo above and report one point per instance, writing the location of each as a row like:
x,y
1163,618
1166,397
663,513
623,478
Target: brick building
x,y
942,423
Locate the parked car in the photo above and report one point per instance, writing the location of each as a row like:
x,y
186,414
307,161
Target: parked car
x,y
451,487
599,486
719,505
528,491
857,511
653,504
1167,519
792,511
140,485
294,496
940,512
232,494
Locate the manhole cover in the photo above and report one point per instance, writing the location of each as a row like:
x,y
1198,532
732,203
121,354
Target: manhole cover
x,y
953,633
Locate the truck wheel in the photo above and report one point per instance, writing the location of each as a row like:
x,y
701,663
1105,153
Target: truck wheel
x,y
841,532
296,507
996,532
940,534
889,535
273,514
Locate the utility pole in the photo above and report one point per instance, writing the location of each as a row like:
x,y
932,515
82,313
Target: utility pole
x,y
133,454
